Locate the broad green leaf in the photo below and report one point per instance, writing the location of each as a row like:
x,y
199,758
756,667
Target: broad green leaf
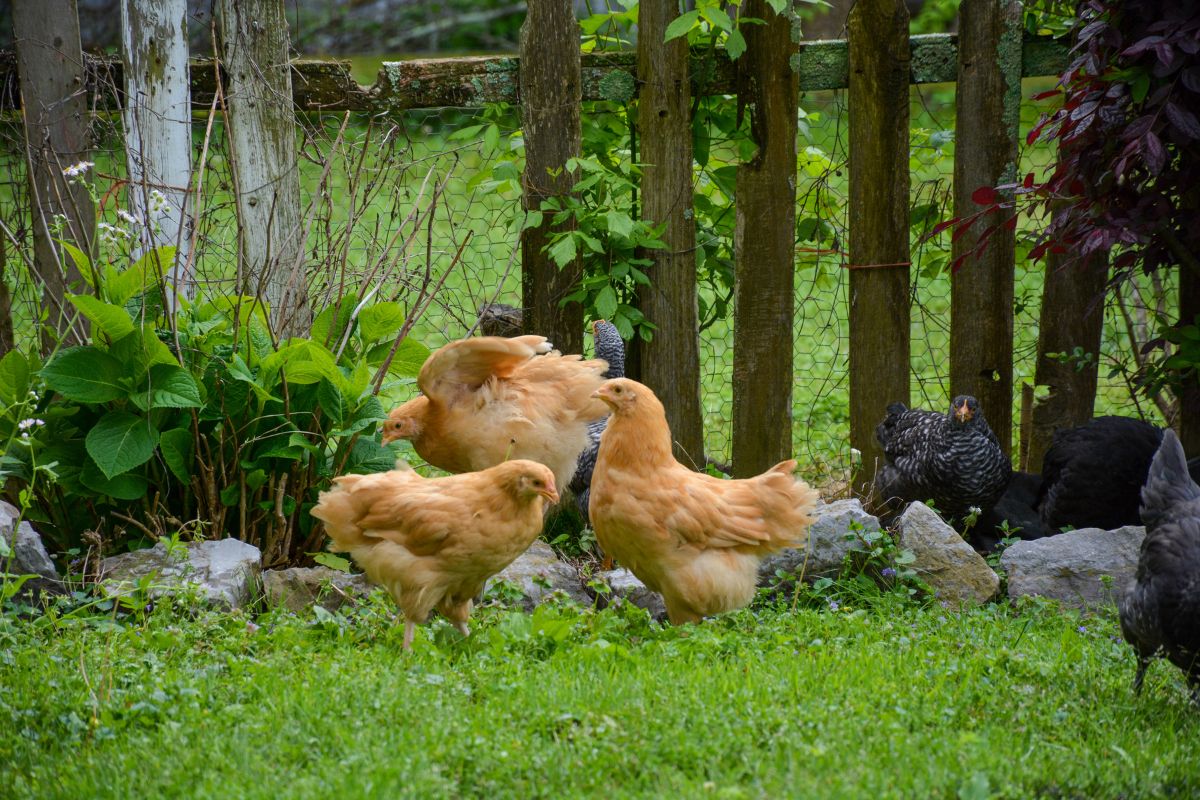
x,y
141,349
681,25
562,252
332,403
82,262
176,448
231,494
112,320
380,321
14,377
620,223
718,18
491,137
330,560
409,358
127,486
168,386
606,302
368,456
141,275
328,331
735,45
121,441
85,374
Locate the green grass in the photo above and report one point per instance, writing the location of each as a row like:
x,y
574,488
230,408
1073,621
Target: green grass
x,y
887,701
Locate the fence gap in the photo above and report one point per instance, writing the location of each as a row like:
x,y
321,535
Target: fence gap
x,y
158,129
879,314
262,140
50,66
670,363
987,125
550,114
763,245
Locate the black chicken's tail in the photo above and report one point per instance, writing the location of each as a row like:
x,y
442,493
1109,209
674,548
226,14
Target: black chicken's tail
x,y
883,431
1168,485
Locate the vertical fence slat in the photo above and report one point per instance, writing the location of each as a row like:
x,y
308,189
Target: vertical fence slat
x,y
879,250
50,63
763,245
158,127
550,112
670,363
262,135
987,122
1072,315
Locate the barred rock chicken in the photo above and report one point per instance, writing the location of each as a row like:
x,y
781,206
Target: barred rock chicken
x,y
610,347
487,400
696,539
1092,475
434,542
1160,611
953,459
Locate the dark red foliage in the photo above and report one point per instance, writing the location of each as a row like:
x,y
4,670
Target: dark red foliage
x,y
1128,133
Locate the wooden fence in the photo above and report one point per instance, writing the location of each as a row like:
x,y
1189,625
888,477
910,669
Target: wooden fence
x,y
877,64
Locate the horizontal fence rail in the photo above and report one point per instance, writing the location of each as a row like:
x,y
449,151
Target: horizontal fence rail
x,y
323,85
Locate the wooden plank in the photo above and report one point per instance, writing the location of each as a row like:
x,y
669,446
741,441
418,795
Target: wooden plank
x,y
763,245
56,135
670,363
1072,315
468,82
262,135
986,131
879,314
158,132
550,118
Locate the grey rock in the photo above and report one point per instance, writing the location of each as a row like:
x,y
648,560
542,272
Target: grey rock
x,y
1074,567
830,539
948,564
627,588
225,572
539,572
300,588
29,556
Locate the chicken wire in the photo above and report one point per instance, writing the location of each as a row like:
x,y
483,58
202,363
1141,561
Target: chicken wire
x,y
468,236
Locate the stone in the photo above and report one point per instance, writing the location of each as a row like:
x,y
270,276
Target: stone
x,y
830,539
538,572
224,572
627,588
1075,567
957,574
300,588
29,556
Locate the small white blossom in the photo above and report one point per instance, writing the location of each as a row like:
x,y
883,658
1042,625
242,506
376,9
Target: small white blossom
x,y
26,424
75,170
111,234
126,217
158,203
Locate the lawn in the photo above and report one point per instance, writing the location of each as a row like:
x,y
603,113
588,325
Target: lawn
x,y
891,699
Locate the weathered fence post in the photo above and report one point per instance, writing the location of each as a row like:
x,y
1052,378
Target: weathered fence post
x,y
879,247
764,244
50,63
1189,398
550,106
670,363
987,122
1072,315
262,138
158,129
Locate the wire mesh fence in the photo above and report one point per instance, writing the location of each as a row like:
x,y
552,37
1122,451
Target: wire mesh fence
x,y
394,205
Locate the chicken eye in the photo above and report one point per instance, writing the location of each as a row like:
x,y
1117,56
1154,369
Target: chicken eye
x,y
616,390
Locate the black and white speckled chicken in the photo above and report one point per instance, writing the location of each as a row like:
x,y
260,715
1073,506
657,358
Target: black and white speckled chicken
x,y
1092,475
610,347
1160,611
953,459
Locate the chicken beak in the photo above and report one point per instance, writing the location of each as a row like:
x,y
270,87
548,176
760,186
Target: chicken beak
x,y
602,395
963,413
388,437
550,493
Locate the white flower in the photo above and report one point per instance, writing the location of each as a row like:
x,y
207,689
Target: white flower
x,y
26,424
158,203
76,170
111,234
125,216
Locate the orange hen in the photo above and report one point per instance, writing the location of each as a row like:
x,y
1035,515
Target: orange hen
x,y
696,539
434,542
488,399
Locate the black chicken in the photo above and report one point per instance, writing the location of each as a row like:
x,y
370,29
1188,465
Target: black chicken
x,y
1092,475
953,459
611,347
1160,612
